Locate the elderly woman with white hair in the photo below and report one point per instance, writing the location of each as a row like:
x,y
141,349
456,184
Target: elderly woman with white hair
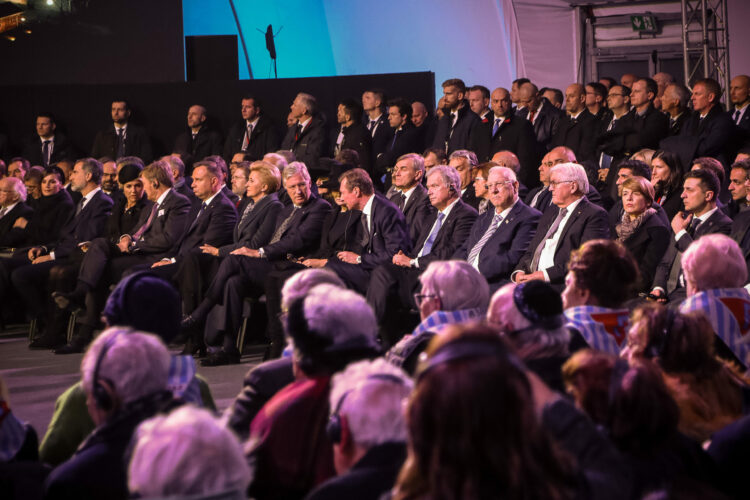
x,y
715,274
125,375
187,454
452,292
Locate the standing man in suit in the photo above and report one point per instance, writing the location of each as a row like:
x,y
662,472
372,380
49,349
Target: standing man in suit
x,y
564,227
647,126
410,196
12,206
701,216
465,162
577,129
199,141
543,116
403,139
307,138
123,138
352,134
500,237
596,101
741,224
674,104
459,128
739,94
424,124
443,234
479,102
385,231
48,146
255,135
373,102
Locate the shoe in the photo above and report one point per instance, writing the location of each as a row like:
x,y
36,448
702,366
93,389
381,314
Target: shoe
x,y
66,301
193,349
69,349
221,358
46,342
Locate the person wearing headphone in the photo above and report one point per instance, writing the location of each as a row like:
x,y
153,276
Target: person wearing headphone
x,y
124,375
367,429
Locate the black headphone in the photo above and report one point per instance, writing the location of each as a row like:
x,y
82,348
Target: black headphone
x,y
333,428
658,341
102,397
466,349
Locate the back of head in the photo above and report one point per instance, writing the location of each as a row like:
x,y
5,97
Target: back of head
x,y
298,285
606,269
714,261
457,284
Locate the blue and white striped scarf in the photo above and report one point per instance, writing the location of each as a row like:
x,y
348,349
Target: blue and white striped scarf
x,y
603,328
438,320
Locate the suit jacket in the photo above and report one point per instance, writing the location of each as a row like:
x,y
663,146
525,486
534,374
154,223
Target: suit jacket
x,y
425,134
213,226
673,203
741,234
302,235
62,149
502,252
710,136
648,244
545,123
226,191
380,139
416,211
716,223
388,234
469,197
675,126
137,143
123,221
467,133
257,228
207,142
402,141
452,234
615,216
545,199
86,226
358,138
263,139
8,237
342,232
516,135
167,226
580,136
587,222
308,146
633,132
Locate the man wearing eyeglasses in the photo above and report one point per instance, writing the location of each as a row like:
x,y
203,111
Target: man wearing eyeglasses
x,y
563,228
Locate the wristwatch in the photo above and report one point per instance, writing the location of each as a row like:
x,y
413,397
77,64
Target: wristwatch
x,y
359,259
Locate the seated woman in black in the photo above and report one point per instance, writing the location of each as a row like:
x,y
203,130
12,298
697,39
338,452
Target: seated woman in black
x,y
666,177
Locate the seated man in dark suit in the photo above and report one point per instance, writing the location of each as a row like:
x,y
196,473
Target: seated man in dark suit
x,y
543,116
199,141
577,129
739,95
409,194
465,162
243,272
179,181
500,237
403,140
459,128
352,134
737,178
385,231
122,139
307,138
741,224
255,135
442,235
562,228
12,206
701,216
47,146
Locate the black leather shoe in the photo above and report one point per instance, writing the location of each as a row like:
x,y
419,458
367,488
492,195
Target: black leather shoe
x,y
221,358
66,301
47,342
71,348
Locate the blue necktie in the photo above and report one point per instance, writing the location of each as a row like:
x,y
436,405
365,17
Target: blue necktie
x,y
497,126
427,247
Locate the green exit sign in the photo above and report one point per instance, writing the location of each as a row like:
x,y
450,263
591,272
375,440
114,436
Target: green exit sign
x,y
645,23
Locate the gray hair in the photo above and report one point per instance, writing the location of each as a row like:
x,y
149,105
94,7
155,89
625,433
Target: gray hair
x,y
186,452
136,363
299,284
531,343
18,187
508,173
310,103
449,175
575,173
296,168
682,93
457,284
175,163
276,159
417,161
370,394
700,259
468,155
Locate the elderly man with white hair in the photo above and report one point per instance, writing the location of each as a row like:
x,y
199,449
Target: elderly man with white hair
x,y
187,454
452,292
125,377
715,275
12,204
570,221
288,449
368,430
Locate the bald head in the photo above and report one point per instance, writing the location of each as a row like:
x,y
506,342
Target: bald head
x,y
662,81
418,113
500,102
575,98
561,154
628,79
507,159
527,96
739,90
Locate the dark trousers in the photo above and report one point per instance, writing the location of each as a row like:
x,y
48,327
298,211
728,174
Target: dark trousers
x,y
353,275
389,281
274,283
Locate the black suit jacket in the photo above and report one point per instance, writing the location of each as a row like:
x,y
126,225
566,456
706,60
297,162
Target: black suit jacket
x,y
469,197
516,135
675,126
263,139
648,244
546,122
416,211
302,235
710,136
741,135
633,132
86,226
587,222
380,139
426,133
207,142
123,221
8,236
358,138
137,143
717,223
167,227
466,134
545,199
257,228
452,234
342,232
502,252
308,146
62,150
402,141
741,234
580,136
213,227
388,234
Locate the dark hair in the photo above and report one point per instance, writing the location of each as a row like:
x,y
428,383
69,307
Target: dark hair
x,y
93,167
612,82
358,178
348,157
599,89
125,101
46,114
638,167
744,164
484,90
246,97
53,170
708,181
455,82
651,85
439,153
712,86
520,81
473,432
379,93
219,163
353,108
557,92
712,165
34,174
25,164
606,269
625,90
676,171
404,108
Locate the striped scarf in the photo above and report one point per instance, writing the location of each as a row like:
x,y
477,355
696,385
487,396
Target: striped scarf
x,y
603,328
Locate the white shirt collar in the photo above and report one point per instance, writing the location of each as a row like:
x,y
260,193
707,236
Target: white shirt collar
x,y
447,210
160,199
208,201
254,122
575,116
42,139
572,206
10,207
304,123
703,218
504,213
91,194
408,193
367,209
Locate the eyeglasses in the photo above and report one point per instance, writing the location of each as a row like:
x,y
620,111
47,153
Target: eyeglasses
x,y
554,184
478,178
498,185
421,297
615,95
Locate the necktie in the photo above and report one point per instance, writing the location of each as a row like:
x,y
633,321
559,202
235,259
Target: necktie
x,y
736,117
298,132
120,143
532,114
427,247
401,201
283,227
573,120
248,133
197,217
365,230
138,234
496,220
45,152
496,126
694,223
3,212
612,124
79,207
550,233
371,126
393,142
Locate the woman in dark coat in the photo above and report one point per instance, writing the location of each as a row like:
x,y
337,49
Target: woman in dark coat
x,y
666,177
51,212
